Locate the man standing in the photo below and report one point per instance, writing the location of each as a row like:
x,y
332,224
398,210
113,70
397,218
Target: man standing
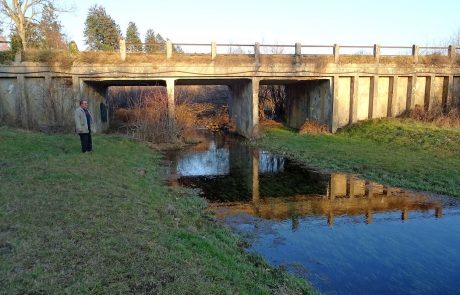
x,y
83,120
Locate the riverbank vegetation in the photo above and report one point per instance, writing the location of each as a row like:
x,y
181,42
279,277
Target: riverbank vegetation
x,y
398,152
106,223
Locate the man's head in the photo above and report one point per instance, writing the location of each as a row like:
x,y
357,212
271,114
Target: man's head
x,y
84,104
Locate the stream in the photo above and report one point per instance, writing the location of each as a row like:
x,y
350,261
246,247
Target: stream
x,y
342,233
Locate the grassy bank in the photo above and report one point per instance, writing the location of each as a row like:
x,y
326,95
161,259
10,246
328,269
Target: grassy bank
x,y
105,223
398,152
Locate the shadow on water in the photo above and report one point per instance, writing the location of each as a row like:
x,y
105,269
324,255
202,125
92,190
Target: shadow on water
x,y
344,234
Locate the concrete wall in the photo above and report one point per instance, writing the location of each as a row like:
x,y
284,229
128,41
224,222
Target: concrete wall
x,y
402,92
9,105
456,91
356,91
308,100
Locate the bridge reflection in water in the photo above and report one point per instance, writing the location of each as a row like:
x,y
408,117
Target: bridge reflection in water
x,y
236,178
342,233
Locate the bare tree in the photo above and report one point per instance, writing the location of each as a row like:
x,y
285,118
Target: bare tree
x,y
25,14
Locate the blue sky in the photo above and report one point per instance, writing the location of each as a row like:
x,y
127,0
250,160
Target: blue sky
x,y
352,22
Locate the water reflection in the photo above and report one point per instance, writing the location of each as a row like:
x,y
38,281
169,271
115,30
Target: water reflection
x,y
346,235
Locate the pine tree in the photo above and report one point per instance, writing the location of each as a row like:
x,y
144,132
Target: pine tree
x,y
101,31
133,41
50,29
150,41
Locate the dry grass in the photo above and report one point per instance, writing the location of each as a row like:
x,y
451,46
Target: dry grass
x,y
356,58
313,127
65,59
434,59
61,58
142,112
398,60
436,115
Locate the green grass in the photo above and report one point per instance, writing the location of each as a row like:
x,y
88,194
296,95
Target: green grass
x,y
105,223
397,152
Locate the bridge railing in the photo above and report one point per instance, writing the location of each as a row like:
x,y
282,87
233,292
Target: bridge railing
x,y
368,52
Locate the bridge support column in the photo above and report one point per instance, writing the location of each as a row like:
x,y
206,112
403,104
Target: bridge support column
x,y
24,111
244,107
392,96
410,103
450,92
170,86
335,104
76,89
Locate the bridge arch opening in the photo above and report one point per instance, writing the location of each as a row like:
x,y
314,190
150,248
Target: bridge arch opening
x,y
299,102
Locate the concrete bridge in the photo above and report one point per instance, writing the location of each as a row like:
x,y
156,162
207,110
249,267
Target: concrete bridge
x,y
334,89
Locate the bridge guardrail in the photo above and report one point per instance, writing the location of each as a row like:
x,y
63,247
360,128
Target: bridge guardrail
x,y
169,48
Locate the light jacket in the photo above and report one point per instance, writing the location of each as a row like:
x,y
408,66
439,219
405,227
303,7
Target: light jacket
x,y
81,125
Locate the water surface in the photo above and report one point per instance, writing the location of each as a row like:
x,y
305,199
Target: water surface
x,y
344,234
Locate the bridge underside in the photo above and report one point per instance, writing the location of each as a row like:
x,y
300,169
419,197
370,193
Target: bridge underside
x,y
306,100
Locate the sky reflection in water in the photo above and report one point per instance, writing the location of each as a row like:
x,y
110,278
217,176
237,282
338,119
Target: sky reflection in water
x,y
344,234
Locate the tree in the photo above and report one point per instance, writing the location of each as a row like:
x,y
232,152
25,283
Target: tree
x,y
101,31
150,41
25,15
133,41
50,29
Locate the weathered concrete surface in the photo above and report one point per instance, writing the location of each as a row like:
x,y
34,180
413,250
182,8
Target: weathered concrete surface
x,y
9,104
244,110
357,91
308,100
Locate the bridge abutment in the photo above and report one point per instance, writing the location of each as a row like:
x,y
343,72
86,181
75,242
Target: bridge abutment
x,y
244,107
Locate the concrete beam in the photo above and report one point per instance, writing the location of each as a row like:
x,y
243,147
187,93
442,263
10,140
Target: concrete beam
x,y
411,88
429,92
392,96
354,99
25,117
450,92
76,89
335,104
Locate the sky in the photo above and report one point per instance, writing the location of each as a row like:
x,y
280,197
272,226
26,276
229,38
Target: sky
x,y
351,22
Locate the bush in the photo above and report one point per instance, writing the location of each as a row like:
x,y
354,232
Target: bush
x,y
6,57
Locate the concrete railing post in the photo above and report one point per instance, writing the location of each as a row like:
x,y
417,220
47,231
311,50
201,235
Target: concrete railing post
x,y
213,50
18,57
298,53
298,49
122,49
452,52
169,49
257,53
415,52
336,52
376,53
